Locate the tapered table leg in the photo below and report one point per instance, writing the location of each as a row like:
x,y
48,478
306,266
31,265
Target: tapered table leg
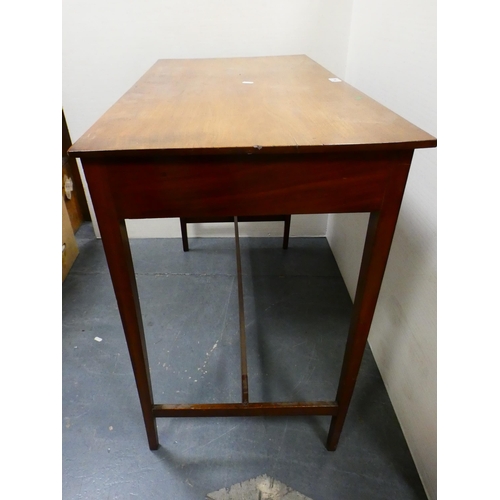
x,y
286,231
117,249
378,241
185,243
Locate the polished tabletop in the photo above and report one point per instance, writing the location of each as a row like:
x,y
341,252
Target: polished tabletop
x,y
274,104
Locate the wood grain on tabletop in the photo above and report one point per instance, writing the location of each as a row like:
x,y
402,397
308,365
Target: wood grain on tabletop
x,y
208,104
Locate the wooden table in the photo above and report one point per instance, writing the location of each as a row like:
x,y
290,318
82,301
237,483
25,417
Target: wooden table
x,y
246,137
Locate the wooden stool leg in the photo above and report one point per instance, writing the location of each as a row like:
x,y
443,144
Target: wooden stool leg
x,y
286,233
117,249
378,241
185,244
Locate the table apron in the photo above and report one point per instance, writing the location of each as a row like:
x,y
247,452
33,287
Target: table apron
x,y
249,185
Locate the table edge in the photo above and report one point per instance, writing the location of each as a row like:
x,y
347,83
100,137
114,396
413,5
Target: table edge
x,y
337,148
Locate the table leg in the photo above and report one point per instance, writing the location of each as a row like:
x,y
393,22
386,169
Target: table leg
x,y
286,231
378,241
117,249
185,243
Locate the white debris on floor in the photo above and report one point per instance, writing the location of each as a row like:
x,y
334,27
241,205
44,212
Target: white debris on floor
x,y
260,488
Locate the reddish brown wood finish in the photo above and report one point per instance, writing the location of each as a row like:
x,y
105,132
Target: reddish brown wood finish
x,y
241,308
368,181
190,141
250,186
246,410
379,236
116,247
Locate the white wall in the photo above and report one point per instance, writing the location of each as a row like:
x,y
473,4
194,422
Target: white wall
x,y
107,46
392,58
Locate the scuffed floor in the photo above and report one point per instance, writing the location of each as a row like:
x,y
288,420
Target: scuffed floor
x,y
297,313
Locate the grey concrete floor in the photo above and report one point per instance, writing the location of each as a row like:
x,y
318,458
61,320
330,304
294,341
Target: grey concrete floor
x,y
297,314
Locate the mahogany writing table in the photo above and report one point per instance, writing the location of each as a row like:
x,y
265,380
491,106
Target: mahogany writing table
x,y
246,137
